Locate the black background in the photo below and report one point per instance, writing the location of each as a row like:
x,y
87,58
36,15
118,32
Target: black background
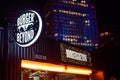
x,y
107,10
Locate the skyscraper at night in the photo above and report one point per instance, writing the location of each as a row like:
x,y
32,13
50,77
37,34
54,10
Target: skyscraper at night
x,y
72,21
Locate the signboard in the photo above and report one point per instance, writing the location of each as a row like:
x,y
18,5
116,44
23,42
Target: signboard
x,y
73,55
76,55
28,28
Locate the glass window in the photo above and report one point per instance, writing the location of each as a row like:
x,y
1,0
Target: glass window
x,y
27,74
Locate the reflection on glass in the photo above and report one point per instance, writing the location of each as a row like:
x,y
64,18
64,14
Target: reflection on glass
x,y
27,74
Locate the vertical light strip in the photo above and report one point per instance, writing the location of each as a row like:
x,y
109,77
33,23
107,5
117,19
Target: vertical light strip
x,y
53,67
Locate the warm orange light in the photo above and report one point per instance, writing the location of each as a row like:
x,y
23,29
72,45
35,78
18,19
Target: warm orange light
x,y
53,67
99,75
106,33
78,70
42,66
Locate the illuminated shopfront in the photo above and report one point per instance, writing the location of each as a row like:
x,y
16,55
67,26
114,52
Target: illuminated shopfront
x,y
32,56
67,69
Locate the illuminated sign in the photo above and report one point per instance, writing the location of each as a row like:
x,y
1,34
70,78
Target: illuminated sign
x,y
28,28
76,55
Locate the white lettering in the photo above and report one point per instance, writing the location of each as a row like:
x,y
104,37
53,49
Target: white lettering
x,y
75,55
25,19
25,37
26,27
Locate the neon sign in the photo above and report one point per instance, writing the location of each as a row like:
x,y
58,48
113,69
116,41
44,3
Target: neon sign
x,y
28,28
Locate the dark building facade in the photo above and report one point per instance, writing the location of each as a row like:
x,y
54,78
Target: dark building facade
x,y
72,21
2,55
43,59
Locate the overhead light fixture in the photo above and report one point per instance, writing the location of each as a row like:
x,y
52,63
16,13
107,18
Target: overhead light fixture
x,y
42,66
78,70
54,67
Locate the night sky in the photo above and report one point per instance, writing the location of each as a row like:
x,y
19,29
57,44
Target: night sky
x,y
108,16
107,10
